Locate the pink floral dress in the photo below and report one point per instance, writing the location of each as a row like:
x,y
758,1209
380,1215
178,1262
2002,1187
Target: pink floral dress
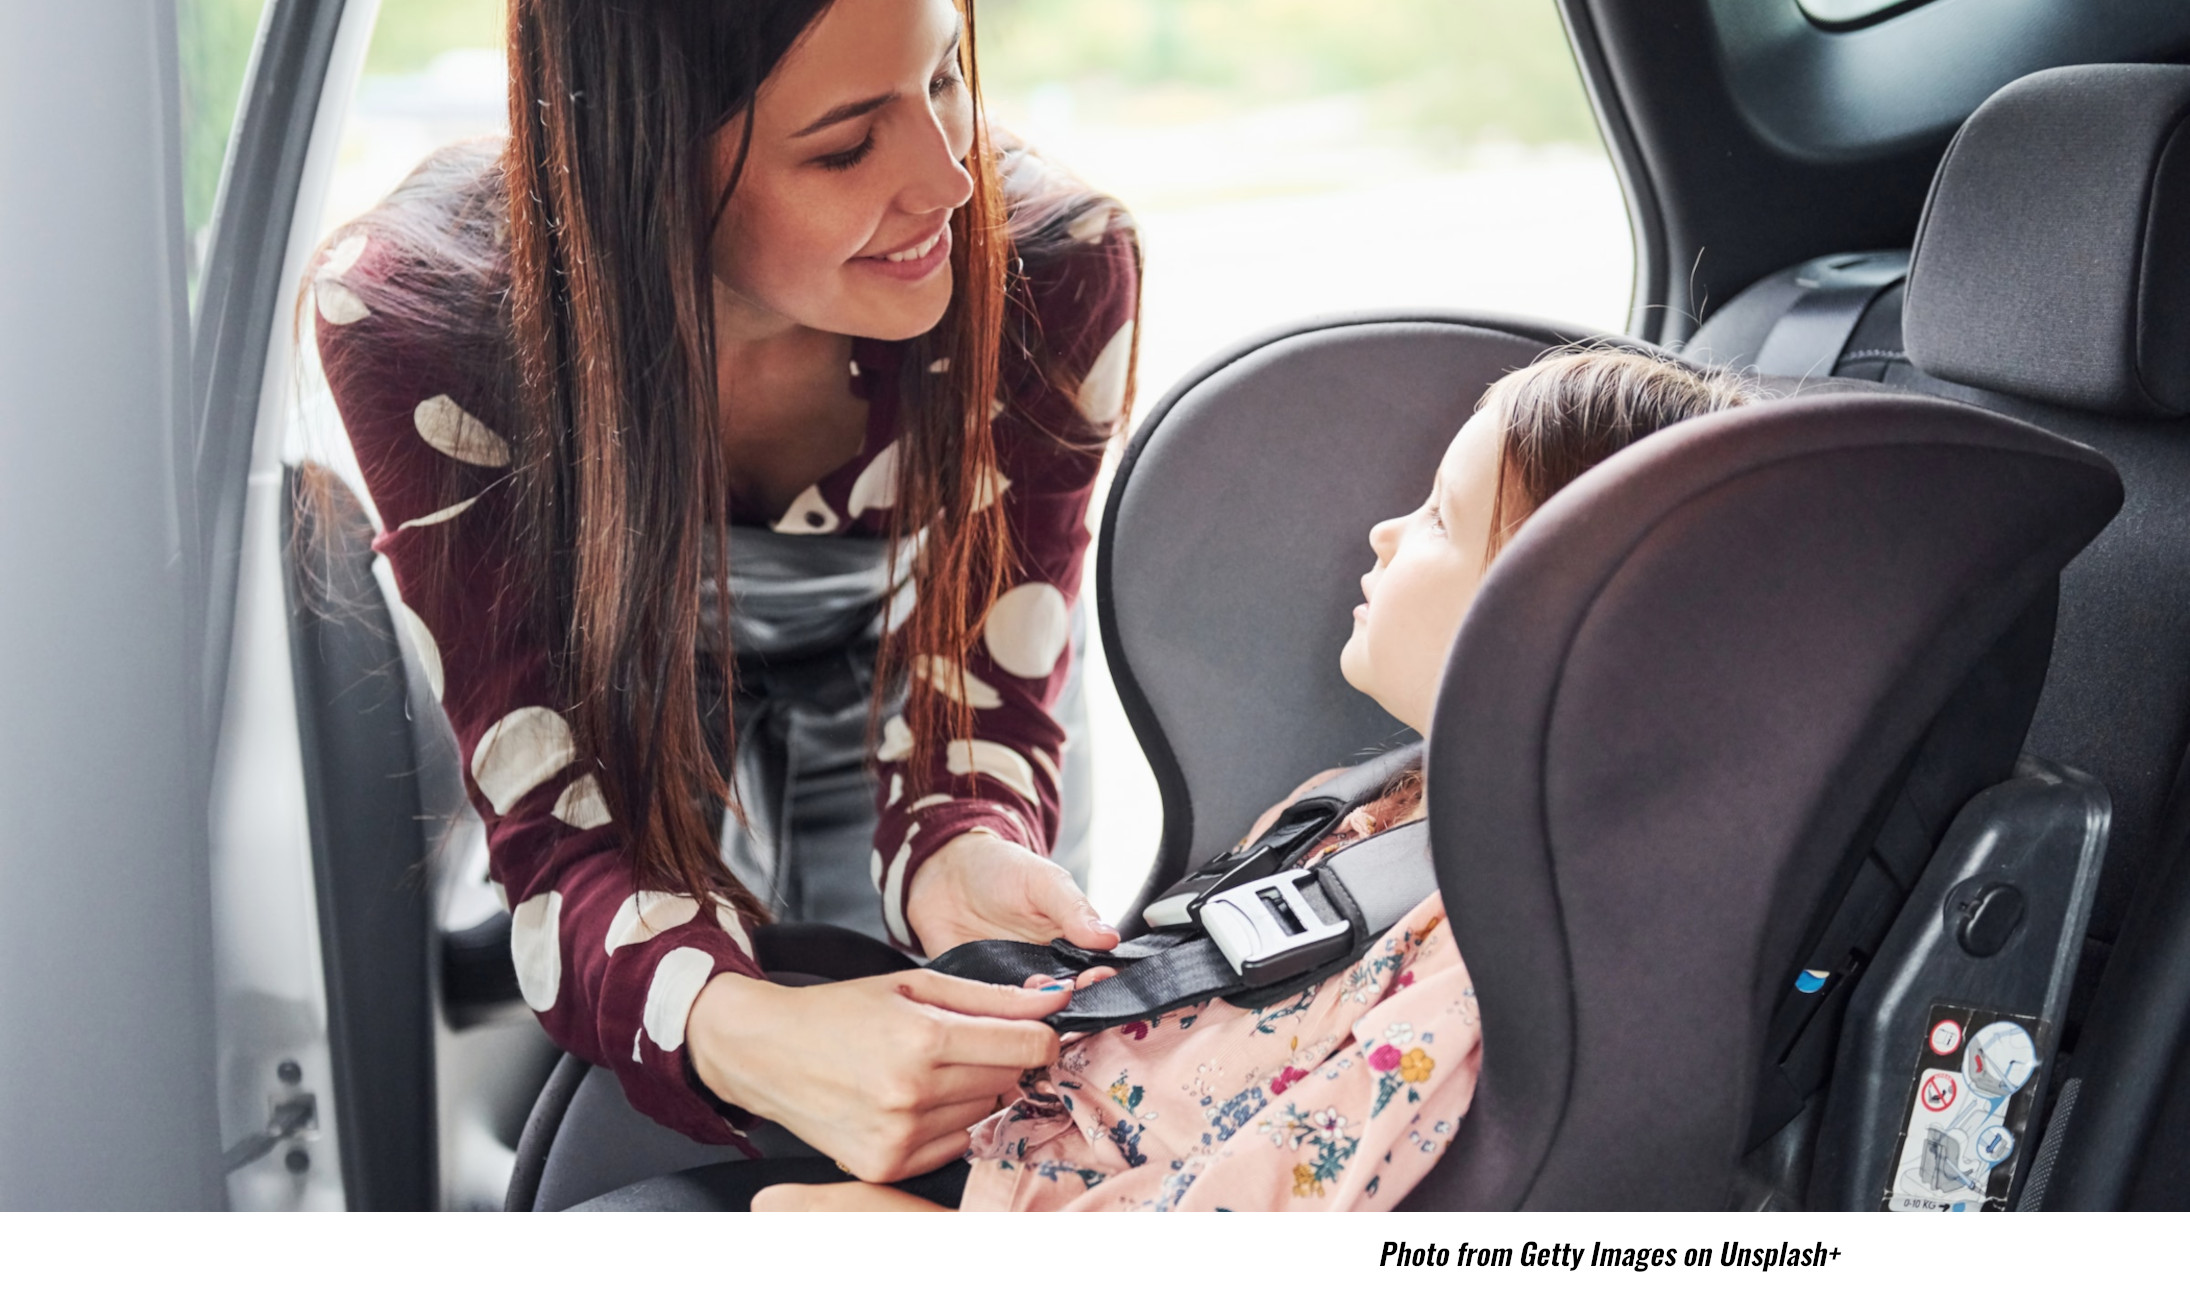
x,y
1341,1097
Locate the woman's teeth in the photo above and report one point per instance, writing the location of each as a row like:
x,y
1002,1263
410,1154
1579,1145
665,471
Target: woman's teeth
x,y
916,252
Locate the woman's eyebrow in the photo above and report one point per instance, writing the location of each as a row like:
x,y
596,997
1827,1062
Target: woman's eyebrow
x,y
845,113
861,107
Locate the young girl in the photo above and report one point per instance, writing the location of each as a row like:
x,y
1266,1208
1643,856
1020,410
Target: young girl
x,y
1341,1097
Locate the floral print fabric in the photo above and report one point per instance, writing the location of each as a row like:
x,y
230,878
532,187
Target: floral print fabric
x,y
1341,1097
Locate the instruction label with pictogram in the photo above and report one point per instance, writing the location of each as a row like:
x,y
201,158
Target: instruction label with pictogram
x,y
1968,1105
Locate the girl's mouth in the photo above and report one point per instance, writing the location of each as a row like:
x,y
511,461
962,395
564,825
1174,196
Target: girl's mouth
x,y
914,261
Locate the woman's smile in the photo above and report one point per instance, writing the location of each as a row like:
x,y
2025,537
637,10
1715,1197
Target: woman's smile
x,y
914,261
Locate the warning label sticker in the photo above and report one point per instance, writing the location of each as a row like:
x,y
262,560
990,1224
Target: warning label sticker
x,y
1968,1105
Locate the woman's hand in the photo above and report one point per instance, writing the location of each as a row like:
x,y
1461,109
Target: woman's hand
x,y
840,1197
979,886
884,1075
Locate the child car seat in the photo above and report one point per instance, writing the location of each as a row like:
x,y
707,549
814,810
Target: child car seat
x,y
1709,662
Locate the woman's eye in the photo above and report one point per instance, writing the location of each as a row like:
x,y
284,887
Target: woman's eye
x,y
944,81
849,158
1436,520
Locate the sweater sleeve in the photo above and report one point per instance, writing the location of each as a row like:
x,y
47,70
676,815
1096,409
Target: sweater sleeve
x,y
611,970
1051,428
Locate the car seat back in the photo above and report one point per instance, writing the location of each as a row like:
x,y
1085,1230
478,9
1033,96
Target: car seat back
x,y
1673,720
1234,538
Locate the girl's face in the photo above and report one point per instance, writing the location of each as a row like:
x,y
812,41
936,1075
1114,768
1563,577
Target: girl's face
x,y
841,217
1429,565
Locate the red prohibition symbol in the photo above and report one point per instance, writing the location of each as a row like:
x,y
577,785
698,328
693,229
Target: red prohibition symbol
x,y
1938,1092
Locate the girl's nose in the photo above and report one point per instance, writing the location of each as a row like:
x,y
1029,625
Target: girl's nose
x,y
1384,537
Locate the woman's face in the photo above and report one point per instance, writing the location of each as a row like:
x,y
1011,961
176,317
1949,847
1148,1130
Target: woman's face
x,y
841,217
1429,565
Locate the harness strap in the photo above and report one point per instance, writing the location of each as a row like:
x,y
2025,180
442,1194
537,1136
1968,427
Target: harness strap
x,y
1252,927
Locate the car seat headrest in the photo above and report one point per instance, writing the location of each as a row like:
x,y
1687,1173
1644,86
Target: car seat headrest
x,y
2053,258
1686,689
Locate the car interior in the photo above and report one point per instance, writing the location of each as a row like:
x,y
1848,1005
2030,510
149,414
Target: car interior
x,y
1803,766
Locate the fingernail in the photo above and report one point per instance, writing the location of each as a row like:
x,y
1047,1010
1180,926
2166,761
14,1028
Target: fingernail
x,y
1053,987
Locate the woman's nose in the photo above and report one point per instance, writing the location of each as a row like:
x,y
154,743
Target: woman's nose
x,y
937,180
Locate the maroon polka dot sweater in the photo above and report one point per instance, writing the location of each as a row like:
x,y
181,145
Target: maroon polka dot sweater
x,y
613,972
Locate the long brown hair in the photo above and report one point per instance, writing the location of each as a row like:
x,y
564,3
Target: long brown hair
x,y
569,269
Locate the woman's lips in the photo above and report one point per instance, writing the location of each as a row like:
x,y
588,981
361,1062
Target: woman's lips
x,y
915,261
1361,611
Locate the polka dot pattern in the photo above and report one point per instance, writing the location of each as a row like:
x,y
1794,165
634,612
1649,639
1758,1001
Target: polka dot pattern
x,y
727,918
932,800
1028,629
897,741
1089,227
955,683
645,914
423,647
997,761
458,434
876,486
677,983
438,516
581,804
1101,398
520,752
536,949
990,491
338,303
809,515
897,788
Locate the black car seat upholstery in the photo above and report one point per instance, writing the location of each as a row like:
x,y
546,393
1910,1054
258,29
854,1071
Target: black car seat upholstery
x,y
2051,281
1268,465
1667,737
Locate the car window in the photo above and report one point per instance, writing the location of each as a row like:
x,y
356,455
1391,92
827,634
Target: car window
x,y
215,39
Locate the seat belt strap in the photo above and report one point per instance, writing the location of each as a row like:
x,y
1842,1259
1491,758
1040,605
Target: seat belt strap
x,y
1806,341
1260,931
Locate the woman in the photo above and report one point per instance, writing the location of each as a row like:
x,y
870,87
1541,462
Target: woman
x,y
745,387
1343,1096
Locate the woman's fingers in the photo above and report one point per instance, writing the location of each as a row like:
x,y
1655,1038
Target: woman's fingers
x,y
1059,901
993,1000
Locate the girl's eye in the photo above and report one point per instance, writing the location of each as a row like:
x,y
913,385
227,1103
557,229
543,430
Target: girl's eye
x,y
849,158
944,81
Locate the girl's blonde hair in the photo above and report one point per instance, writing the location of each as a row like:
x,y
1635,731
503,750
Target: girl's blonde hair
x,y
1574,408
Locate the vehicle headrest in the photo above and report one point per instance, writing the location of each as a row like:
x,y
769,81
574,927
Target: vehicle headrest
x,y
2053,258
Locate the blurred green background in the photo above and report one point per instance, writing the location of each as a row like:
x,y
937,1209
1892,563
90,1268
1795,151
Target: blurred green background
x,y
1443,75
1450,73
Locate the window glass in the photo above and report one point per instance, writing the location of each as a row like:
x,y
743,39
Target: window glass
x,y
215,38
